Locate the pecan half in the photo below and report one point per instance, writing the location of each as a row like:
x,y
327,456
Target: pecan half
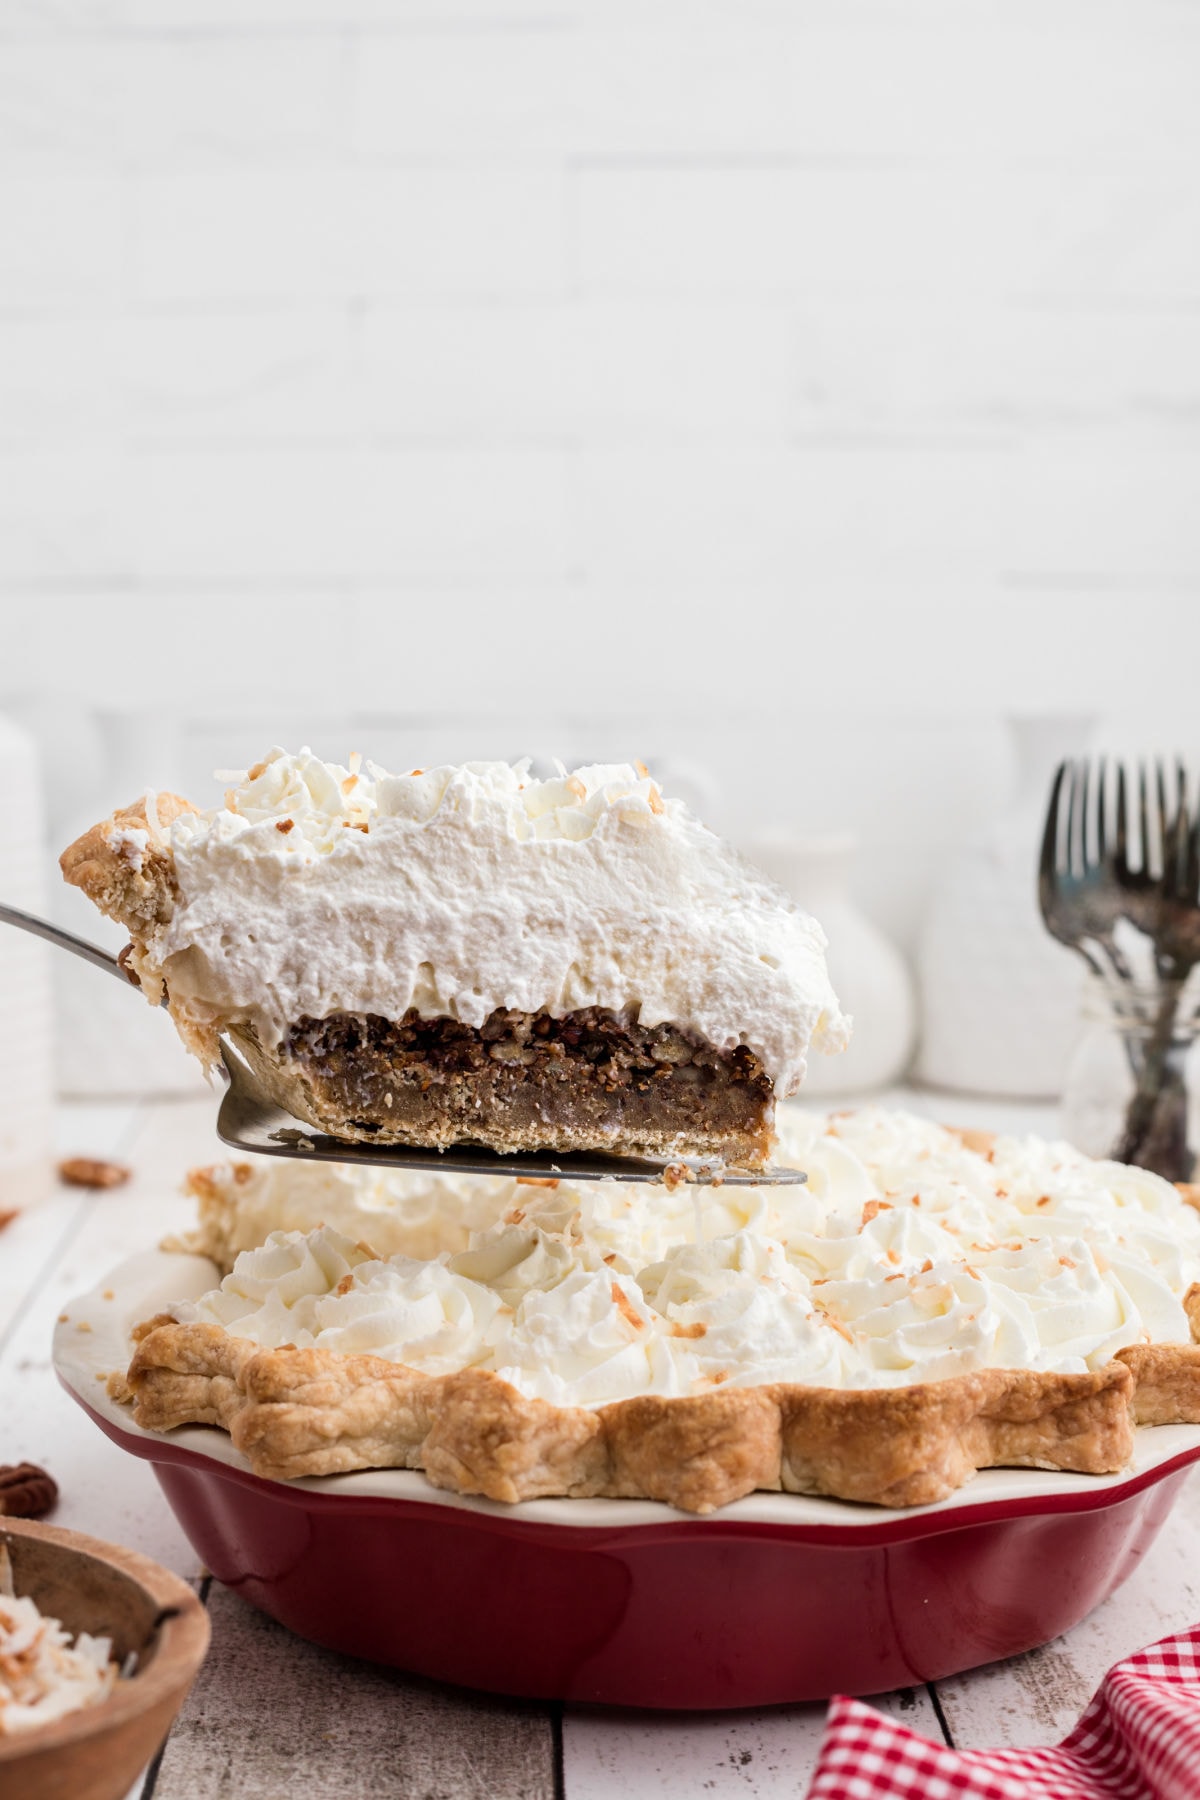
x,y
91,1172
26,1492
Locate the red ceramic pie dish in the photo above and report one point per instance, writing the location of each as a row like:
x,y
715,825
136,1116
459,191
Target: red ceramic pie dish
x,y
776,1598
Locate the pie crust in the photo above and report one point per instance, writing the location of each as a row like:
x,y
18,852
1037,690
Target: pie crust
x,y
308,1412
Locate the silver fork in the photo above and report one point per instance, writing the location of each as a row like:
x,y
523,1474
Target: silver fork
x,y
1080,886
1088,881
249,1119
1168,908
1166,905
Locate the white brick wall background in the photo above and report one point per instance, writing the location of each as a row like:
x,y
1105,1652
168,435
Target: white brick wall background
x,y
787,390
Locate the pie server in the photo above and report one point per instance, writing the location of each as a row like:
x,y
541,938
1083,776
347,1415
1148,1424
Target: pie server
x,y
249,1119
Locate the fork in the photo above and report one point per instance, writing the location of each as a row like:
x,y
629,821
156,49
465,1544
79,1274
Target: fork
x,y
1170,902
1088,882
1080,881
1167,908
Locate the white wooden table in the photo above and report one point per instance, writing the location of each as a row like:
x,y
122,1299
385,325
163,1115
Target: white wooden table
x,y
271,1715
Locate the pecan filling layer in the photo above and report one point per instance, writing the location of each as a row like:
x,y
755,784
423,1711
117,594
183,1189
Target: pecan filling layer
x,y
520,1079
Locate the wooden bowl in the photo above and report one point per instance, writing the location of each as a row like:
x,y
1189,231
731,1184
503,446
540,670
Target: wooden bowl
x,y
97,1753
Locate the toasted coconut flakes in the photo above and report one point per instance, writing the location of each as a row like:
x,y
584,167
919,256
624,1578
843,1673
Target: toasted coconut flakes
x,y
622,1303
44,1674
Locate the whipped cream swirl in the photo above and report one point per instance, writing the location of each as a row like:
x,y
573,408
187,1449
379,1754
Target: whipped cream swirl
x,y
240,1204
908,1257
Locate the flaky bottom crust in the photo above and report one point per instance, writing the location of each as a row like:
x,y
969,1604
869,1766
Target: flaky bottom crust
x,y
294,1412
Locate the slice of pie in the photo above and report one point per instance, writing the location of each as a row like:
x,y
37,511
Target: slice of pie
x,y
925,1307
473,955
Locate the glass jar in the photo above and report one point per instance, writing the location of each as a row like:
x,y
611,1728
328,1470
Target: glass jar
x,y
1132,1088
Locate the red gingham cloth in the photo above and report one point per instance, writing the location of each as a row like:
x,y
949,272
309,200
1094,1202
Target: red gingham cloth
x,y
1138,1740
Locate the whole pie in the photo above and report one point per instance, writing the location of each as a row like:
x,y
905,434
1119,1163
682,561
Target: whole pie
x,y
470,954
930,1304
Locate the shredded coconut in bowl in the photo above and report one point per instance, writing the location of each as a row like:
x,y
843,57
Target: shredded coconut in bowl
x,y
43,1675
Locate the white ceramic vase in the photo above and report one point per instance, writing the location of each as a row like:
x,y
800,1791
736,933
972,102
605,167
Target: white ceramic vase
x,y
26,1005
869,975
999,997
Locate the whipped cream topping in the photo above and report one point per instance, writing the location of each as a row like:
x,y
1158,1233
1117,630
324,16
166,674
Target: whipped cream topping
x,y
44,1673
420,1215
907,1257
319,889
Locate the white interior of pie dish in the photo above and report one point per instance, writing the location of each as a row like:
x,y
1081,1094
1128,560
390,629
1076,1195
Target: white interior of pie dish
x,y
92,1340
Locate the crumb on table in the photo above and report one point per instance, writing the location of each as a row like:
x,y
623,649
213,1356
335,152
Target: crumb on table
x,y
92,1172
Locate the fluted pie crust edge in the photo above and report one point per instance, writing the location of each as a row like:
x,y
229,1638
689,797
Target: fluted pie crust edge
x,y
307,1412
